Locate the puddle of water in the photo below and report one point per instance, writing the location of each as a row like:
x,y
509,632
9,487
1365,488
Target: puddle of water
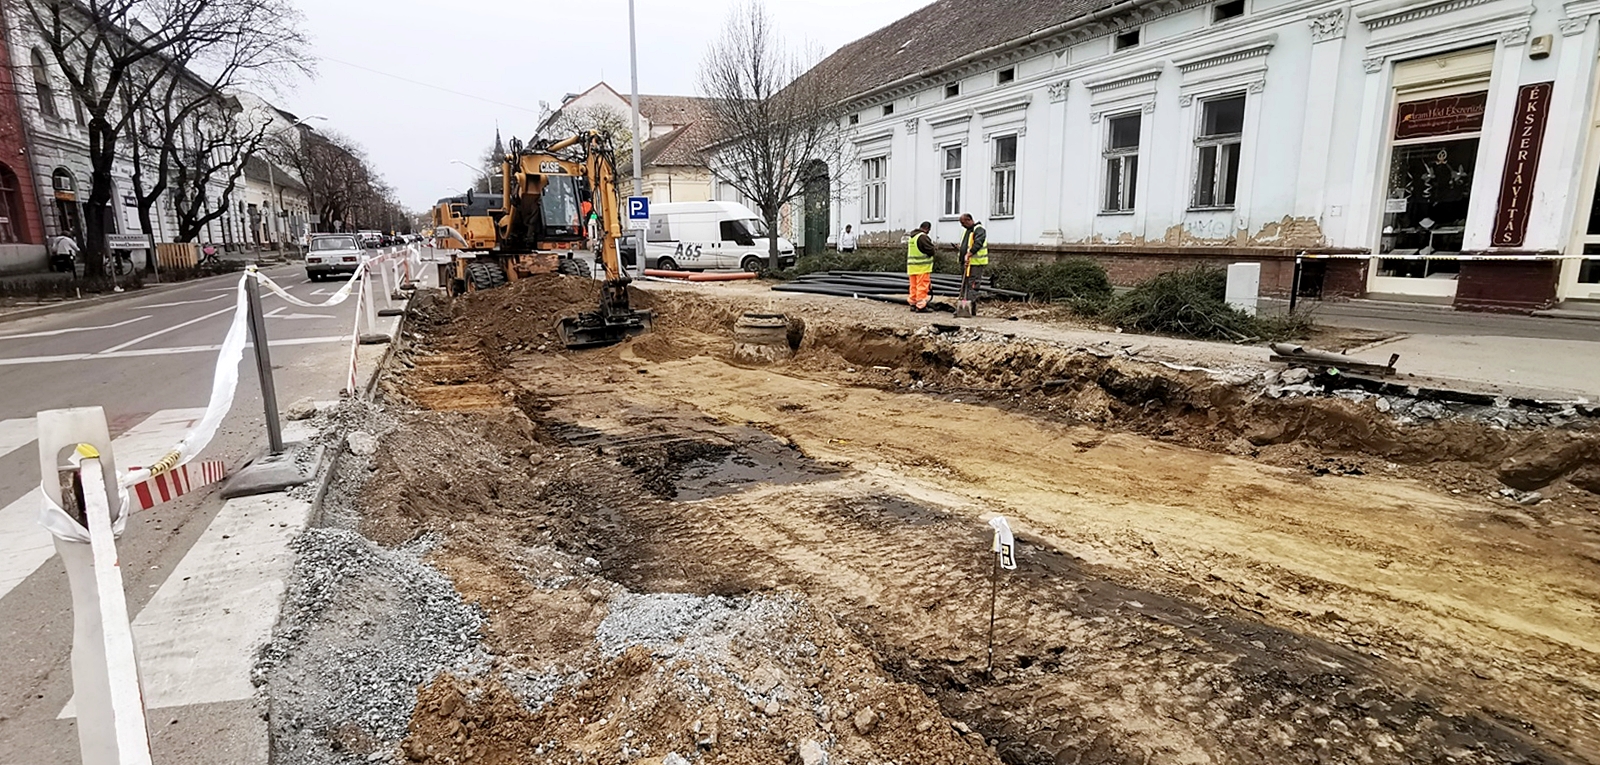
x,y
762,462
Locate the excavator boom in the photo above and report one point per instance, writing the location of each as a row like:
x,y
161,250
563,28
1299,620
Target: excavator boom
x,y
615,320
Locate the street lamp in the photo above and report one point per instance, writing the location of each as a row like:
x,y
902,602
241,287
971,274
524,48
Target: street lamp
x,y
272,179
480,171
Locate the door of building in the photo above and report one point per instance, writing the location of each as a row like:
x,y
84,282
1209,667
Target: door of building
x,y
1580,278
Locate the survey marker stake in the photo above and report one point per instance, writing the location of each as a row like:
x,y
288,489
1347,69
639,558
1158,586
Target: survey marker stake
x,y
1005,557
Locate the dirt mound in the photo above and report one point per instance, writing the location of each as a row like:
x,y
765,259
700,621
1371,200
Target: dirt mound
x,y
787,682
523,314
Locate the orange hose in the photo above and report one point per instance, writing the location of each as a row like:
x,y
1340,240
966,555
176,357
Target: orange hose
x,y
741,276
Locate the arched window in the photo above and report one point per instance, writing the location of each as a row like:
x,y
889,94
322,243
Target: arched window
x,y
10,207
41,85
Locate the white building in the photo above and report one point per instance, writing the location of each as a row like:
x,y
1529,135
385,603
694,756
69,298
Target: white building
x,y
1459,138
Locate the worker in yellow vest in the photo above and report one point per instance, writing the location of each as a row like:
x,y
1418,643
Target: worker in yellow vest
x,y
974,258
919,267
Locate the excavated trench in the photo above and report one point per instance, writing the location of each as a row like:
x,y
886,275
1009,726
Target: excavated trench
x,y
1204,574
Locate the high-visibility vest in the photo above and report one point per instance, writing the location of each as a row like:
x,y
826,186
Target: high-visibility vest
x,y
917,262
981,257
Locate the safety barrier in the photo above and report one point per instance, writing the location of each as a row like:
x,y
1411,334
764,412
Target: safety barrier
x,y
86,507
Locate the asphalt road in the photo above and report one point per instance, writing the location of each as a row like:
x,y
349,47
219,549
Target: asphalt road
x,y
148,360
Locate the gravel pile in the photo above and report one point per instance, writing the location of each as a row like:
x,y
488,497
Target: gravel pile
x,y
676,625
362,627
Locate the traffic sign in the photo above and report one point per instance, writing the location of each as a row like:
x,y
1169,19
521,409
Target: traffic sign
x,y
638,208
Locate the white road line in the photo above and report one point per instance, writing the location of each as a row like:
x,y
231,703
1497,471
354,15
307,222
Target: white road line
x,y
185,302
25,545
28,360
172,328
199,635
70,330
15,434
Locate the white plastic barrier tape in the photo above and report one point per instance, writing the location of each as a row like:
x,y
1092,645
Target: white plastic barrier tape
x,y
224,384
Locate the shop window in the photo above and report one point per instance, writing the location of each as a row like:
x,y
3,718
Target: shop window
x,y
1420,268
952,181
1217,148
1589,268
874,189
1122,162
1431,163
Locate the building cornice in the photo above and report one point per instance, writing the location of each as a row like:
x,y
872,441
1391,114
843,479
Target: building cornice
x,y
1390,14
1014,104
1124,80
1235,53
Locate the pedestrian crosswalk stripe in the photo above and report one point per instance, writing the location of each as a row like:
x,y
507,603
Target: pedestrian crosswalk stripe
x,y
25,545
15,434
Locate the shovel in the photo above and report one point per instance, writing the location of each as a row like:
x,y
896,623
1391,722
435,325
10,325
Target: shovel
x,y
964,303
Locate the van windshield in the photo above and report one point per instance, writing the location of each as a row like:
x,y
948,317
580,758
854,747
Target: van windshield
x,y
745,230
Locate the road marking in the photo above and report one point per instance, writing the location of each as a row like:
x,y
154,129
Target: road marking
x,y
199,635
70,330
186,302
25,545
172,328
28,360
277,313
15,434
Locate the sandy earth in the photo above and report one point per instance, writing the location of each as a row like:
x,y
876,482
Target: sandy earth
x,y
1205,576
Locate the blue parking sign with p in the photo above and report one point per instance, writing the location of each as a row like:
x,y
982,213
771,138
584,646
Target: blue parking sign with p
x,y
638,208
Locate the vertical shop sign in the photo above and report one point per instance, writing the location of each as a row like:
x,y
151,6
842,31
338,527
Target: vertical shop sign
x,y
1522,163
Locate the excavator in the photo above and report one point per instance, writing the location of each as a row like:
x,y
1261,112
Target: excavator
x,y
559,199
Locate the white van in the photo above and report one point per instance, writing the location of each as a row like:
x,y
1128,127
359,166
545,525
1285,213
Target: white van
x,y
701,236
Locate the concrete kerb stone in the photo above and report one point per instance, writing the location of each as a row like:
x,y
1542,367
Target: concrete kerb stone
x,y
328,467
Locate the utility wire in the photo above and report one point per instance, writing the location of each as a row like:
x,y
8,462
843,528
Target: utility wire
x,y
431,85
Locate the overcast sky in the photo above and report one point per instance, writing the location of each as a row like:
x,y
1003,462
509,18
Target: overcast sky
x,y
516,53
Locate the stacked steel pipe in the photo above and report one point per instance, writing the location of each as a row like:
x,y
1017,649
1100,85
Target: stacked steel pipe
x,y
883,287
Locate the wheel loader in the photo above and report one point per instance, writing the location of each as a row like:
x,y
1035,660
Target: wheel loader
x,y
559,202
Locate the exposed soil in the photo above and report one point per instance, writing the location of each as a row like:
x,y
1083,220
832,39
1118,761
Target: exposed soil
x,y
1206,574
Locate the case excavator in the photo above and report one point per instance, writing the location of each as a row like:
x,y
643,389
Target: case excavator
x,y
559,200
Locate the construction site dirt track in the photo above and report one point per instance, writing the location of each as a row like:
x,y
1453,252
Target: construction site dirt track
x,y
678,553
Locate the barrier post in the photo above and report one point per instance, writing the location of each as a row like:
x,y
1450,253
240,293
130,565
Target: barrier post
x,y
105,676
258,338
383,272
368,304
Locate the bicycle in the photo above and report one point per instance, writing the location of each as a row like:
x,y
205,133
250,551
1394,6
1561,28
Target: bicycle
x,y
119,262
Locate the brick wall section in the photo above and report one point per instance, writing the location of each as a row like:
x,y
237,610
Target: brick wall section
x,y
1129,265
1344,278
1507,286
14,151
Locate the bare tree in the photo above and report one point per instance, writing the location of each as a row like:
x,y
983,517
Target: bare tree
x,y
613,124
182,107
213,161
99,45
771,123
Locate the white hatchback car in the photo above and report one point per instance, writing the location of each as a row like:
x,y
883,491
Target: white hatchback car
x,y
332,254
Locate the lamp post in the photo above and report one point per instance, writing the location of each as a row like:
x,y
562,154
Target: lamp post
x,y
480,171
272,180
638,152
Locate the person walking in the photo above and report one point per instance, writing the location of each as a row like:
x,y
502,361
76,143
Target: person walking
x,y
919,267
847,240
974,258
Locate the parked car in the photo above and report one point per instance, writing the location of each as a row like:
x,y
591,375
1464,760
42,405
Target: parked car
x,y
331,254
371,239
698,236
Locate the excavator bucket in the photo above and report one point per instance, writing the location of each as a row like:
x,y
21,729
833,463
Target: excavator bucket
x,y
593,330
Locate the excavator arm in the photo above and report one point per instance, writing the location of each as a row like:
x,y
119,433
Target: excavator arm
x,y
615,320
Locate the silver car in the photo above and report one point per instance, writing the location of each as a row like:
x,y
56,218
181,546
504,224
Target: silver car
x,y
331,254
